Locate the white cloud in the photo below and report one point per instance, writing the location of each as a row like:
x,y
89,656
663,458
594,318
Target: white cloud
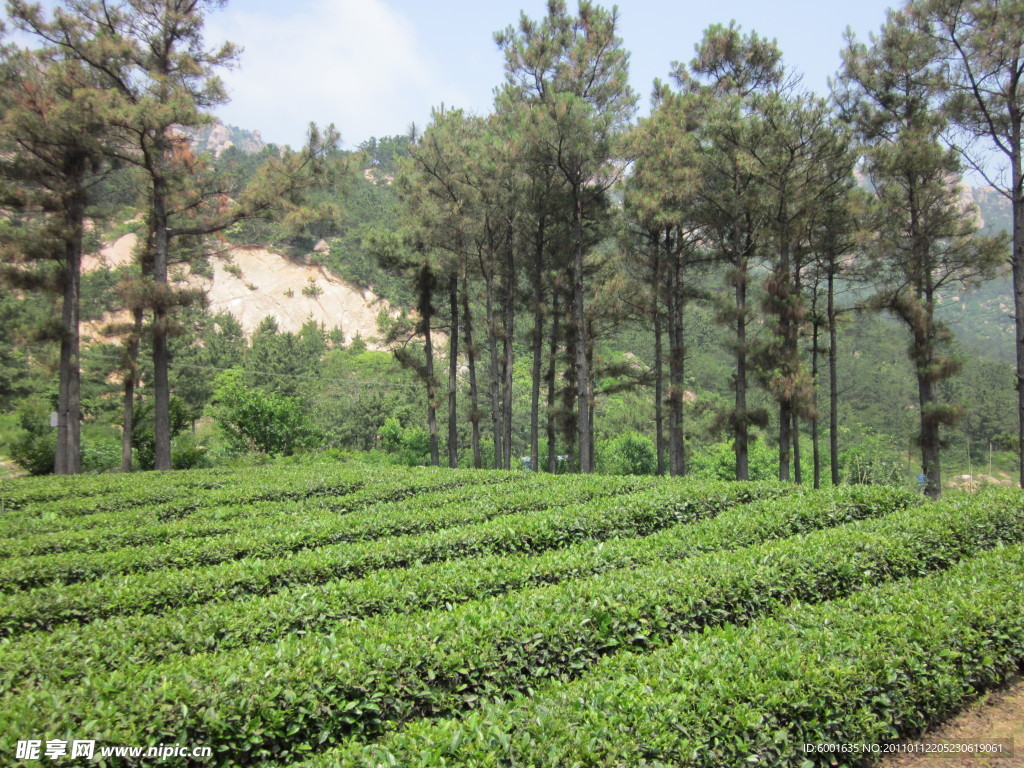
x,y
356,63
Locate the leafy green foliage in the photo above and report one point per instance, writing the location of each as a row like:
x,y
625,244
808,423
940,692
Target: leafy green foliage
x,y
873,462
144,436
434,585
419,627
34,449
358,391
255,420
863,670
409,446
543,529
718,461
628,454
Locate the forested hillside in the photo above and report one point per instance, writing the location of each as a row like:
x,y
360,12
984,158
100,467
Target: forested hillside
x,y
705,290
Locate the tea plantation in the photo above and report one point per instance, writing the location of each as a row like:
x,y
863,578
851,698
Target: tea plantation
x,y
360,616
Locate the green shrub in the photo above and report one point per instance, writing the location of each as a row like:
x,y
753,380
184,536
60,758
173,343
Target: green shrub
x,y
718,461
101,455
34,447
872,462
407,445
187,453
254,421
395,669
864,669
627,454
433,585
35,453
144,435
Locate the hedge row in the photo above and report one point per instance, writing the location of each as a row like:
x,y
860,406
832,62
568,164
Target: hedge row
x,y
186,518
18,494
121,641
883,664
264,537
337,494
639,514
85,494
279,701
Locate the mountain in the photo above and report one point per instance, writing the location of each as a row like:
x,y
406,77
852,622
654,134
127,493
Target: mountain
x,y
982,318
996,214
216,137
253,283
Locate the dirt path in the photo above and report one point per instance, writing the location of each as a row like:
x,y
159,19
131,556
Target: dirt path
x,y
995,718
9,469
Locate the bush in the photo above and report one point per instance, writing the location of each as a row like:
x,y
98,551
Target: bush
x,y
35,453
34,448
406,445
101,455
256,421
186,453
628,454
873,462
144,436
718,461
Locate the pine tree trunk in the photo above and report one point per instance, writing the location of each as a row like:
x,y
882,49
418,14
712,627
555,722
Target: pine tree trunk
x,y
793,355
929,438
428,351
161,321
833,379
797,470
551,376
590,400
570,416
785,401
579,321
785,440
453,370
676,448
474,394
492,348
68,459
922,327
815,448
535,381
741,424
1017,268
130,383
537,342
659,375
129,414
508,365
681,355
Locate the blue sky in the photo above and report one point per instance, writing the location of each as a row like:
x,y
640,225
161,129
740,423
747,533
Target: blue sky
x,y
373,66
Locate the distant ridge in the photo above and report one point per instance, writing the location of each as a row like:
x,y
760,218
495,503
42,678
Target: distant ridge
x,y
217,137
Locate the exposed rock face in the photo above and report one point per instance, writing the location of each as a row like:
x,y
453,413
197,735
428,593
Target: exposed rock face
x,y
995,209
217,137
253,283
114,255
377,177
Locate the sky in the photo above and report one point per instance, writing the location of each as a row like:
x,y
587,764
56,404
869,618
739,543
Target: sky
x,y
373,67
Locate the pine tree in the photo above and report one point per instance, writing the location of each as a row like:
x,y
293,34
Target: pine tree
x,y
982,44
151,58
573,73
731,68
922,238
660,198
53,130
804,162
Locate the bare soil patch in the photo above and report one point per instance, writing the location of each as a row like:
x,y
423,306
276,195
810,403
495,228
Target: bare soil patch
x,y
997,717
